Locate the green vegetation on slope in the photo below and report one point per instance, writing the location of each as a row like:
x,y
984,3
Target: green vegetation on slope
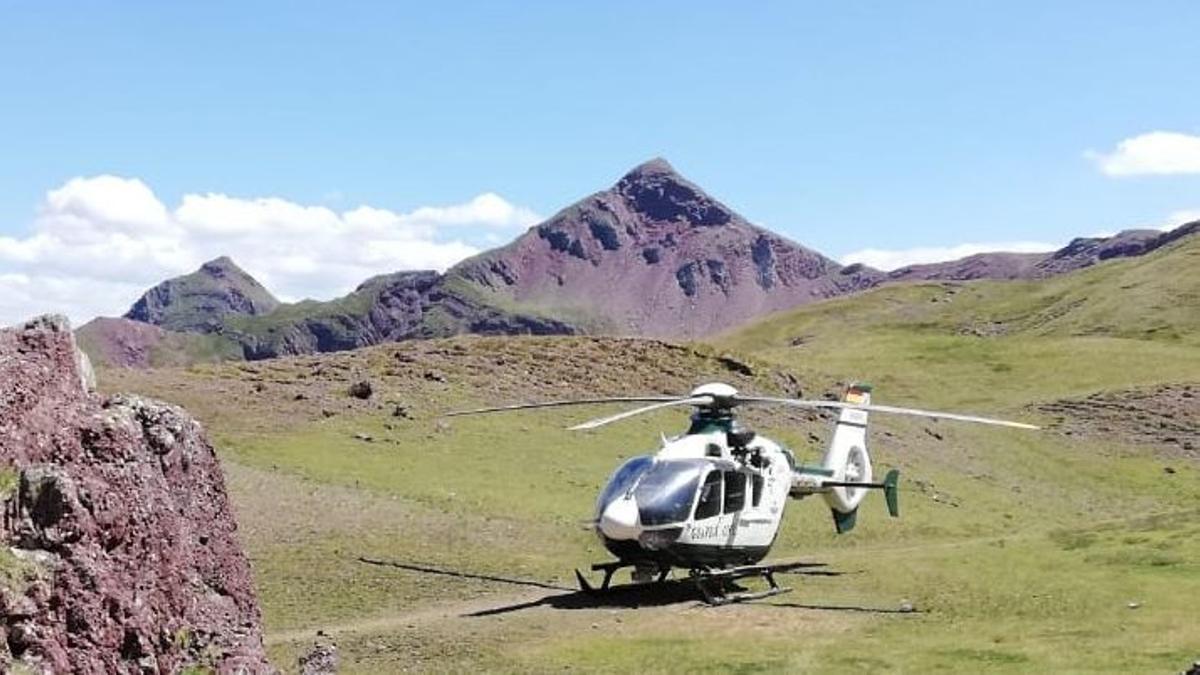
x,y
1021,551
1119,324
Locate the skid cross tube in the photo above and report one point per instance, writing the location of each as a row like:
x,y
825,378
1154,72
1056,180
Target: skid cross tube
x,y
713,585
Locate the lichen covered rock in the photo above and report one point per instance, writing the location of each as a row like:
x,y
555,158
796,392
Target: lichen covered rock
x,y
118,547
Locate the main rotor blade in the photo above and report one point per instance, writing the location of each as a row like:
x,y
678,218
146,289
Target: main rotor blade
x,y
592,424
560,404
839,405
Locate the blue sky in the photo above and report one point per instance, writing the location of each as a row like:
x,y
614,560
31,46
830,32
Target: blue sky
x,y
845,126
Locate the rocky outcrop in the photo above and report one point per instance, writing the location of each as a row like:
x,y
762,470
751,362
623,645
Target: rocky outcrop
x,y
118,548
1087,251
199,302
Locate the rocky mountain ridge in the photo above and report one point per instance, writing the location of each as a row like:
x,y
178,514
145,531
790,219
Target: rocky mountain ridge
x,y
654,255
200,301
1081,252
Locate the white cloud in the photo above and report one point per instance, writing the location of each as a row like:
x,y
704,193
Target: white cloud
x,y
98,242
1181,217
1153,153
888,260
488,208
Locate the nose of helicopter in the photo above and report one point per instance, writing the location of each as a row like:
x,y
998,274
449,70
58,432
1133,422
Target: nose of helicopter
x,y
620,519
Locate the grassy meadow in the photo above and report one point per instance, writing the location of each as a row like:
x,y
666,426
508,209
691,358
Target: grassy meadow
x,y
1019,551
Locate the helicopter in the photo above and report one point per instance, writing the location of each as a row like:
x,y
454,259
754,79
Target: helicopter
x,y
711,500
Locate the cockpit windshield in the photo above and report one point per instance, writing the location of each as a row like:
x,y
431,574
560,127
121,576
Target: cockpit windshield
x,y
666,491
622,479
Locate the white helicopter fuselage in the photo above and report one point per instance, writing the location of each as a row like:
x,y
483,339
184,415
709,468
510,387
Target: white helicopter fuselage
x,y
712,500
715,497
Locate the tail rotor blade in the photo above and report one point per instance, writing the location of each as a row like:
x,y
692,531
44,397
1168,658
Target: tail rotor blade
x,y
839,405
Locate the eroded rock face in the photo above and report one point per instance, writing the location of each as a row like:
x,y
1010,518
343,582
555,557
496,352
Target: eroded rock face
x,y
119,549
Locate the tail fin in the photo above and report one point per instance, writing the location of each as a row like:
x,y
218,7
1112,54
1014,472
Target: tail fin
x,y
848,459
891,492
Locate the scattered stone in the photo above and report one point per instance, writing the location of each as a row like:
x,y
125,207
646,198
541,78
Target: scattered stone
x,y
365,438
1168,470
1133,604
933,433
1164,417
907,607
400,411
326,412
322,659
300,397
735,365
434,376
361,390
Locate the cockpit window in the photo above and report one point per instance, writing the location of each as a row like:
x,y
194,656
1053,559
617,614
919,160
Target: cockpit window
x,y
710,497
735,491
622,479
665,492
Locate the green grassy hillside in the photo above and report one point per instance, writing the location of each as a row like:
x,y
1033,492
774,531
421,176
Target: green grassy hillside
x,y
1020,551
1118,324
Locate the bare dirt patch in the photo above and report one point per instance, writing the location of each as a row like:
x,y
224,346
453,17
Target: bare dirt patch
x,y
1166,416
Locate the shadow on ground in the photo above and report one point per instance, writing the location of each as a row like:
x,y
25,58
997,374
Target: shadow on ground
x,y
660,594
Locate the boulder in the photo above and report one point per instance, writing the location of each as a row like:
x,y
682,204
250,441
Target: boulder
x,y
118,546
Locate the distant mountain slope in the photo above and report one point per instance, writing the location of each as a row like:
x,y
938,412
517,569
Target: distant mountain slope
x,y
656,256
653,255
1155,296
126,343
1124,324
387,308
200,301
1080,253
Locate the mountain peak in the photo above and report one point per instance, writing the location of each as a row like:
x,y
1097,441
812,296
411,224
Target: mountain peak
x,y
656,166
197,302
221,266
220,261
658,192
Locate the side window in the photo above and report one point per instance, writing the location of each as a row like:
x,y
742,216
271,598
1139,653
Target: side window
x,y
710,497
735,491
756,488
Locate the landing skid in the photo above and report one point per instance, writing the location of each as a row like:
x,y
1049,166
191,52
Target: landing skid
x,y
609,569
717,587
